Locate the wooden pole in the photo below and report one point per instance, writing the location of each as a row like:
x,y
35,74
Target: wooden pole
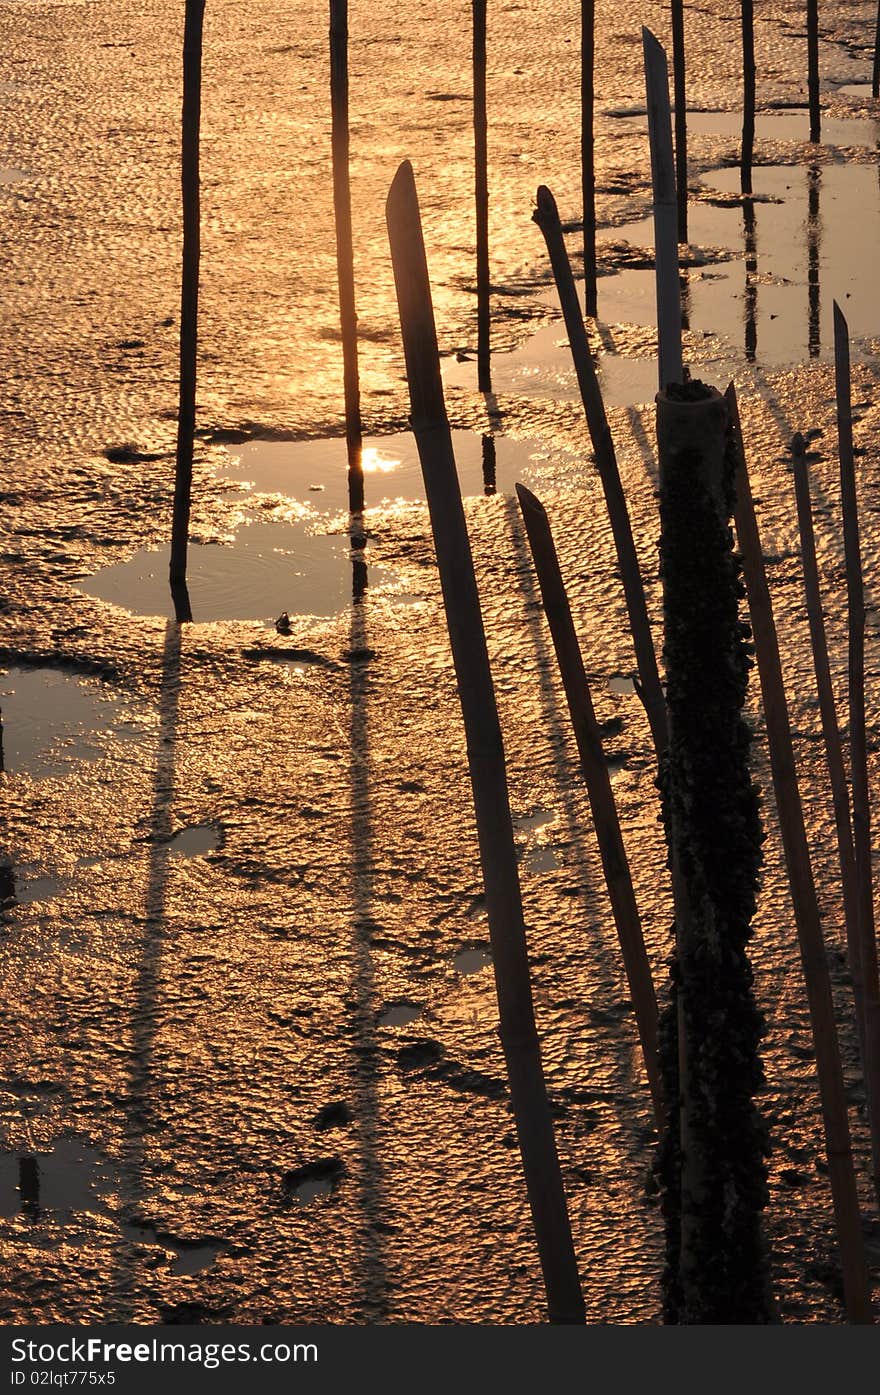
x,y
748,129
813,69
481,189
546,215
665,212
595,771
678,82
875,77
861,799
830,730
189,298
841,1172
345,249
485,755
588,152
714,829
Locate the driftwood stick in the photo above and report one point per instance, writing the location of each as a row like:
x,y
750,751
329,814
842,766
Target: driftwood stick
x,y
861,799
665,212
595,771
830,729
813,69
345,249
481,191
189,299
588,152
546,215
679,83
485,756
835,1120
748,128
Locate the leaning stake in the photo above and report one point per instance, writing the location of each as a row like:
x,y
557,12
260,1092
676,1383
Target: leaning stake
x,y
678,78
813,68
546,215
861,799
588,153
830,728
193,27
665,212
485,756
345,249
481,192
841,1172
595,770
748,128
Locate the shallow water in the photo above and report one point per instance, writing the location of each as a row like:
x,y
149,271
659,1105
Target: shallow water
x,y
52,720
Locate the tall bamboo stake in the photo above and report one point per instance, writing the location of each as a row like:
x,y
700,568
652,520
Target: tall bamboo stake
x,y
345,249
830,730
588,152
193,28
546,215
861,799
748,129
875,77
813,69
595,771
678,80
809,925
485,755
665,212
481,191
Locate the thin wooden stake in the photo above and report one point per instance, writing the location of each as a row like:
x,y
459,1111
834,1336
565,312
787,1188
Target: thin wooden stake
x,y
345,249
678,81
193,27
485,755
830,730
875,77
835,1120
665,212
748,129
546,215
481,190
588,153
595,771
861,799
813,69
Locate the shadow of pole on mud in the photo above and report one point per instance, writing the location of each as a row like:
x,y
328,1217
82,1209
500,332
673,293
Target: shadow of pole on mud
x,y
814,228
371,1297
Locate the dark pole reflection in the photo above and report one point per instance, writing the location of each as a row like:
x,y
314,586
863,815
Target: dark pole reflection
x,y
684,281
372,1301
814,177
489,481
751,290
357,537
29,1186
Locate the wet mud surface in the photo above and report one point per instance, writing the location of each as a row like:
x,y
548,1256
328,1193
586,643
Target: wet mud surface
x,y
250,1064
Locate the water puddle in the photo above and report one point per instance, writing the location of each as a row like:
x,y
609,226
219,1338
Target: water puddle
x,y
621,684
319,1178
8,175
472,961
315,472
198,841
541,368
268,569
73,1178
53,719
189,1256
530,823
541,859
30,889
791,126
399,1014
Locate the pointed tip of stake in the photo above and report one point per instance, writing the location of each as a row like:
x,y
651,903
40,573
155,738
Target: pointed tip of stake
x,y
545,206
841,328
528,500
402,184
650,42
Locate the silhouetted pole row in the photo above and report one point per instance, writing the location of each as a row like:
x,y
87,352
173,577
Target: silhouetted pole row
x,y
857,1292
485,756
193,27
713,1156
481,190
830,732
861,800
678,80
546,215
588,151
665,213
345,249
595,771
748,127
813,69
